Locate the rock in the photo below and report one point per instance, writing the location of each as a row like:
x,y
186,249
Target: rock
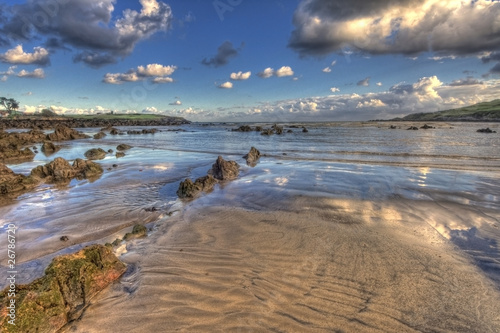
x,y
122,147
64,238
13,154
95,154
267,131
49,148
243,128
60,170
137,232
485,130
188,189
224,170
289,131
87,169
426,127
62,133
110,151
62,294
119,154
304,130
277,129
392,127
252,156
258,128
99,135
114,131
412,128
11,182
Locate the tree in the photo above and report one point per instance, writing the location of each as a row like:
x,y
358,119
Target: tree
x,y
9,104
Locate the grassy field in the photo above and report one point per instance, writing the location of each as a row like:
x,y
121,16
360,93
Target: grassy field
x,y
482,111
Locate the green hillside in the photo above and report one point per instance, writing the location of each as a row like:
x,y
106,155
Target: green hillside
x,y
486,111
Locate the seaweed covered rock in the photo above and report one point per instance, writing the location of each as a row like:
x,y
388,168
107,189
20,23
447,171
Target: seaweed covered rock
x,y
137,232
122,147
188,189
99,135
224,170
11,182
62,133
95,154
49,147
59,170
60,296
252,156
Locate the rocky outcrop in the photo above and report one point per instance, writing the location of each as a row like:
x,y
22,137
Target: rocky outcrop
x,y
412,128
49,147
243,128
485,130
123,147
138,231
99,135
188,189
304,130
11,145
252,156
13,154
426,127
63,293
95,154
59,170
63,133
224,170
267,131
119,154
277,129
11,182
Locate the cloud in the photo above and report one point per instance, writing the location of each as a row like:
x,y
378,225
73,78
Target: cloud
x,y
40,56
240,76
284,71
372,103
327,70
365,82
88,25
4,78
379,84
225,52
94,59
156,71
175,103
492,56
266,73
334,89
465,82
36,74
396,27
226,85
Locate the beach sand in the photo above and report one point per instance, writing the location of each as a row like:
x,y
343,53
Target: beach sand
x,y
320,265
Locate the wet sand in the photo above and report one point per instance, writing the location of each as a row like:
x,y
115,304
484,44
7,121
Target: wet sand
x,y
322,265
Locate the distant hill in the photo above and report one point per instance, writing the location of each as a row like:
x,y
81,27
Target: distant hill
x,y
486,111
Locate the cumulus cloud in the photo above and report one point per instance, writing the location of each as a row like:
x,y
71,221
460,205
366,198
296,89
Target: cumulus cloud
x,y
379,84
465,82
175,103
88,25
402,27
40,56
334,89
226,85
284,71
327,70
4,78
365,82
36,74
225,52
157,72
372,103
240,76
266,73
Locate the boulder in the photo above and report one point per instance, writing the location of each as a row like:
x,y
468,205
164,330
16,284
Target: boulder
x,y
304,130
95,154
188,189
86,169
62,294
63,133
137,232
114,131
59,170
277,129
99,135
224,170
426,127
243,128
123,147
11,182
119,154
412,128
267,131
14,154
252,156
49,147
485,130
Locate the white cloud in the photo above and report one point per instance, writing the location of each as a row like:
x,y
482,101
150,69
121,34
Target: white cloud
x,y
379,84
155,70
266,73
334,89
240,76
36,74
175,103
40,56
327,70
4,78
163,80
151,109
373,103
284,71
333,63
226,85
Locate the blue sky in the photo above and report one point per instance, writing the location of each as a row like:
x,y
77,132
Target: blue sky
x,y
241,60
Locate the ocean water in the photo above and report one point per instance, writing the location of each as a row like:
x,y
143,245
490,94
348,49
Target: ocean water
x,y
448,176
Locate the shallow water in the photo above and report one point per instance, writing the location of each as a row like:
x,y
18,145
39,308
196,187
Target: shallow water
x,y
446,180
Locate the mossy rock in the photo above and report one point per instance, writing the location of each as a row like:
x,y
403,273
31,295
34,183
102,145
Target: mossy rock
x,y
137,232
69,283
95,154
123,147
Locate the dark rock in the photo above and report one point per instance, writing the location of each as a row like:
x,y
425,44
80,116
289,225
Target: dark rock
x,y
289,131
393,127
115,165
123,147
486,130
258,128
137,232
64,238
114,131
224,170
243,128
49,148
110,151
99,135
267,131
304,130
95,154
59,170
63,133
426,127
119,154
277,129
11,182
62,294
252,156
188,189
412,128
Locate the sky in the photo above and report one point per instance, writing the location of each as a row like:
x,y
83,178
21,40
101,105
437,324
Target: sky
x,y
243,60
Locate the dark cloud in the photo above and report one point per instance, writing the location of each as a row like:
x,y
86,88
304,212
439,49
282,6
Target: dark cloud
x,y
224,53
465,82
493,56
54,43
365,82
495,69
94,59
401,89
87,24
404,27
